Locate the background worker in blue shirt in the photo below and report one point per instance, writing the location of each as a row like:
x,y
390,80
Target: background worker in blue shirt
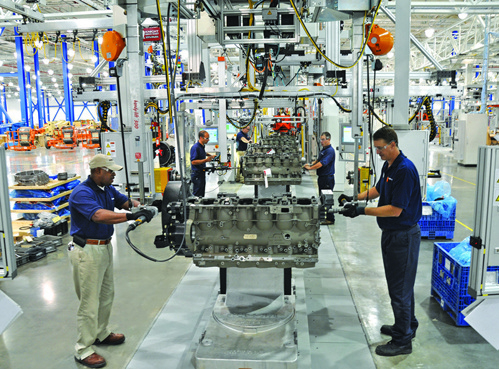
x,y
325,167
398,212
92,205
199,158
242,141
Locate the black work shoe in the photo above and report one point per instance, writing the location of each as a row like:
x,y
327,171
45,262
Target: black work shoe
x,y
391,349
387,329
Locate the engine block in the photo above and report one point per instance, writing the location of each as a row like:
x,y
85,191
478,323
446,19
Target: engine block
x,y
278,232
280,154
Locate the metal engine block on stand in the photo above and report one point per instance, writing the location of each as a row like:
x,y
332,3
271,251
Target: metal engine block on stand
x,y
255,243
278,153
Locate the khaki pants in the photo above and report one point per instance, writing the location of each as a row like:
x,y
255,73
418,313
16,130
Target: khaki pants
x,y
239,155
94,285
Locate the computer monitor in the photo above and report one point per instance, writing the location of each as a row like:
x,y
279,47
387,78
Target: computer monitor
x,y
213,132
231,130
346,135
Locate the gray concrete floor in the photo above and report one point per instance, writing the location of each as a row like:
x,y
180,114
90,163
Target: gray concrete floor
x,y
43,337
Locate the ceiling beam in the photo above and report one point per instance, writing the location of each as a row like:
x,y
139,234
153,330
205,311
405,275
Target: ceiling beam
x,y
415,41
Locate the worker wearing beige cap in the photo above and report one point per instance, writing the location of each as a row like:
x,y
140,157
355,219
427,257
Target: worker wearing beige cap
x,y
92,205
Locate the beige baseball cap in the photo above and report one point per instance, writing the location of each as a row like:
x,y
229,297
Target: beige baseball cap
x,y
103,161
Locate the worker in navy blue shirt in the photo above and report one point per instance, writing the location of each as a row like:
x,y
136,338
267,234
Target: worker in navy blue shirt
x,y
199,158
398,212
242,141
325,166
92,205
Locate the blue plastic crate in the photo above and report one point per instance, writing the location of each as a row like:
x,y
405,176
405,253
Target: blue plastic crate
x,y
436,225
449,282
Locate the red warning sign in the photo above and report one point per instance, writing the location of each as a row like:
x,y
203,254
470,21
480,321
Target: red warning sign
x,y
152,34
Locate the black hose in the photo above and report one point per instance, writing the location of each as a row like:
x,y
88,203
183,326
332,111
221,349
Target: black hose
x,y
125,163
138,251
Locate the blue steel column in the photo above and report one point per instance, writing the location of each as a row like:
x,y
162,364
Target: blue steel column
x,y
68,98
48,109
148,71
111,87
30,101
39,97
96,53
43,106
4,103
21,77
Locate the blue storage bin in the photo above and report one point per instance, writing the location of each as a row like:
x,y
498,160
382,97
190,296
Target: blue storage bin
x,y
449,282
435,225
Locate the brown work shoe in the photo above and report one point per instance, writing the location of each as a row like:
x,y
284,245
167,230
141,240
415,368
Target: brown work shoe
x,y
92,361
112,339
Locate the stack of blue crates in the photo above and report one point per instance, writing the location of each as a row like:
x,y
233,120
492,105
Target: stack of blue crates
x,y
449,282
436,225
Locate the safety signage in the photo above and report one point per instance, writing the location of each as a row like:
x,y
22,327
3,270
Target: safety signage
x,y
110,148
152,34
496,188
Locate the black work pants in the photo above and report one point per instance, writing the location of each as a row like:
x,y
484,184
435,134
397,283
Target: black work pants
x,y
198,180
400,250
325,183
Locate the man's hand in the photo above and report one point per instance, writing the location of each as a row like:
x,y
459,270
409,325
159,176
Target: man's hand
x,y
343,199
353,210
209,157
147,214
307,166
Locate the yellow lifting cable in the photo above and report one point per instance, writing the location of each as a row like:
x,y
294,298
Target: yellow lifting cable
x,y
79,48
55,50
74,55
320,51
30,41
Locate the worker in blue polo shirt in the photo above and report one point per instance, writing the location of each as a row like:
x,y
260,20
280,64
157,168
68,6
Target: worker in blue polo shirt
x,y
398,212
325,168
92,205
199,158
242,141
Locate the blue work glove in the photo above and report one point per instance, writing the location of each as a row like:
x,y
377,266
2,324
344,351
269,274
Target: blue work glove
x,y
353,210
344,199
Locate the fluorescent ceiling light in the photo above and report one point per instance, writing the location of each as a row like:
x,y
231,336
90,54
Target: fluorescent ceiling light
x,y
429,32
